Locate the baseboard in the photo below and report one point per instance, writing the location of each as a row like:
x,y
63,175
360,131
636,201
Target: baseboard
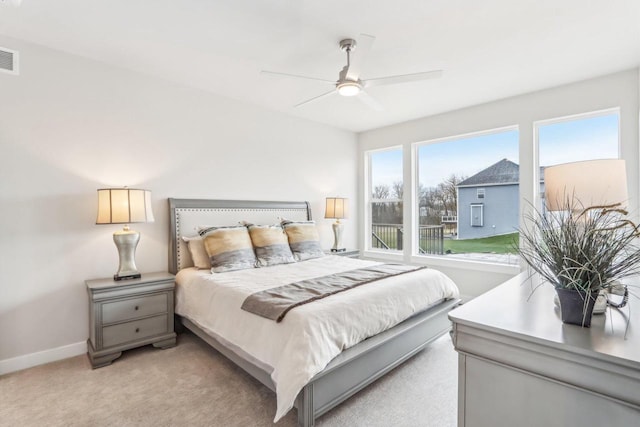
x,y
41,357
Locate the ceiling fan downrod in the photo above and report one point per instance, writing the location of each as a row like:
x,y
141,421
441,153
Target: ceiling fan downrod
x,y
345,85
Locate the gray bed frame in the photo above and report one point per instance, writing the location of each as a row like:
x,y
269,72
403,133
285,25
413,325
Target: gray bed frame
x,y
351,370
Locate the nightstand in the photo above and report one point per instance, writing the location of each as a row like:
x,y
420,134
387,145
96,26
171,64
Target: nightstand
x,y
129,313
351,253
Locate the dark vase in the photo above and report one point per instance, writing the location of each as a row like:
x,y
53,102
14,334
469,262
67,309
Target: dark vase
x,y
573,307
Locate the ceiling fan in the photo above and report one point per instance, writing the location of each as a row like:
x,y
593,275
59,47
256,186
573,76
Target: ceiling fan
x,y
349,82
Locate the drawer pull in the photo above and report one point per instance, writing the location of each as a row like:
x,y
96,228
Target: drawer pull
x,y
136,308
137,330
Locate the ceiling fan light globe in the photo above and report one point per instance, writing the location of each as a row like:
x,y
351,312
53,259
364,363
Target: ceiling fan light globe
x,y
349,88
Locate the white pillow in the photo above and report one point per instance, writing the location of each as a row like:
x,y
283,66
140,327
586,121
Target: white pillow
x,y
198,252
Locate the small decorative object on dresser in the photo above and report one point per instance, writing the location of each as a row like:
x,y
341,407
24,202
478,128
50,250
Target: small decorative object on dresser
x,y
125,206
125,315
336,208
583,244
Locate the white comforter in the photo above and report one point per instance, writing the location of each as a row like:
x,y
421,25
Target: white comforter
x,y
312,334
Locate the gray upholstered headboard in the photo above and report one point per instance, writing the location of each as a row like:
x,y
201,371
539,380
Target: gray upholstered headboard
x,y
187,214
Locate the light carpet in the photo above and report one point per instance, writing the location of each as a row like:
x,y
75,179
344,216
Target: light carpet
x,y
193,385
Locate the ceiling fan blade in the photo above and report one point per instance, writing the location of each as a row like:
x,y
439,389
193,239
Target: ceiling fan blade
x,y
369,101
358,57
315,98
276,73
405,78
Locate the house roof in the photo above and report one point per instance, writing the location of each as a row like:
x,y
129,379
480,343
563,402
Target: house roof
x,y
503,172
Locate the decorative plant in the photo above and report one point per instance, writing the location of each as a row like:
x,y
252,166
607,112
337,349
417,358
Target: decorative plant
x,y
581,251
584,249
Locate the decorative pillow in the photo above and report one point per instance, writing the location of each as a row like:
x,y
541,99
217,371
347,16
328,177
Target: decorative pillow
x,y
304,239
270,244
198,253
229,248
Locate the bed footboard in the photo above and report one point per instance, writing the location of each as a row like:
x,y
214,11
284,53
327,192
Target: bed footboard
x,y
359,366
354,368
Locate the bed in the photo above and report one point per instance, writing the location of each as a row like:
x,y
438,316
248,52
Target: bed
x,y
333,381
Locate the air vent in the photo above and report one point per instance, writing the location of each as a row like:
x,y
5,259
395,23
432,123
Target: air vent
x,y
8,61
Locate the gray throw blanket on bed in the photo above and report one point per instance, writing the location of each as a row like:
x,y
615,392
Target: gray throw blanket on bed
x,y
274,303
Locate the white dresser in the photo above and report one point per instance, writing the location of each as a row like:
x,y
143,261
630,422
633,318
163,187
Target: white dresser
x,y
519,365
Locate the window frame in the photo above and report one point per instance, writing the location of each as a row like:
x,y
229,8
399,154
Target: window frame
x,y
368,199
442,260
537,124
528,155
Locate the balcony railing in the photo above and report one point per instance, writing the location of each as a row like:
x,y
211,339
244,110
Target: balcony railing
x,y
386,236
389,236
431,239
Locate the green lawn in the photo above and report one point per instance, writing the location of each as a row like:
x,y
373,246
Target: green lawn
x,y
503,244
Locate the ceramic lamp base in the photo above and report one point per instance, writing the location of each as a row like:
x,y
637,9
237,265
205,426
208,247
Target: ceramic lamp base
x,y
126,241
337,234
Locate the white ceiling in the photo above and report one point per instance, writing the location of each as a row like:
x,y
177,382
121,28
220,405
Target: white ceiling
x,y
489,49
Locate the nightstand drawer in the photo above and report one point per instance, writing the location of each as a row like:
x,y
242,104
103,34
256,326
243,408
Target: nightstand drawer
x,y
133,331
133,308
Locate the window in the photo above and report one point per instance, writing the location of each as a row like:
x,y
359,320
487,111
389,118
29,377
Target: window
x,y
589,136
453,174
467,188
385,199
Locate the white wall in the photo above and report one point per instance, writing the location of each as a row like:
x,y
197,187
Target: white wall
x,y
615,90
69,126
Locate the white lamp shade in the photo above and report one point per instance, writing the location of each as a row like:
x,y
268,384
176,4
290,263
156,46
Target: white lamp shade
x,y
590,183
336,208
124,206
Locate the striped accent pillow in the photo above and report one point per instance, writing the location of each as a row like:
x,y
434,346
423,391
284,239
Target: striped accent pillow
x,y
229,248
304,239
270,244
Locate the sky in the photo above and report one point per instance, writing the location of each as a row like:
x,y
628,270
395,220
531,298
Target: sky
x,y
566,141
587,139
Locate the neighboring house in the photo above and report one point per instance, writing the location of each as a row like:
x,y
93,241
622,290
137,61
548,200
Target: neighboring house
x,y
488,201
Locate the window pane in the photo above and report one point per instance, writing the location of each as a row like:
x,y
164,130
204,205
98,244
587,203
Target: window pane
x,y
576,140
386,199
469,197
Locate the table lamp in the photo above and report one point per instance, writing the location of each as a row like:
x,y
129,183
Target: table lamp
x,y
125,206
336,208
600,182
